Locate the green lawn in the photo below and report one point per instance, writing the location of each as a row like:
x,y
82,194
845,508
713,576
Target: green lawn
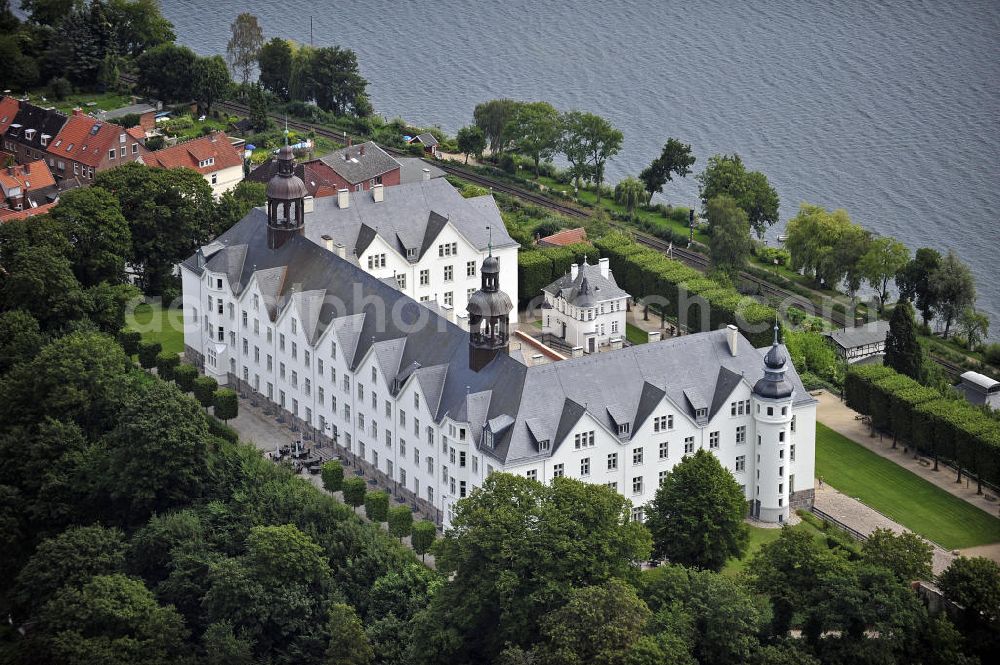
x,y
900,494
157,325
635,334
107,101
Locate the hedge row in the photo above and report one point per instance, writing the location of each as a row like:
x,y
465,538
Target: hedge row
x,y
537,268
684,292
944,428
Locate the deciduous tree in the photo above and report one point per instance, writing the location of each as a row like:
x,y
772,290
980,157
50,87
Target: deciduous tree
x,y
99,234
333,476
226,404
492,118
424,534
751,189
914,281
377,506
630,193
165,72
906,555
210,82
730,241
535,128
204,388
348,643
400,521
354,491
953,288
245,41
594,138
471,141
974,326
697,515
675,159
20,338
275,64
880,264
336,82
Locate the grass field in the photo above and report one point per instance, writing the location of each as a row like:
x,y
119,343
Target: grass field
x,y
158,325
635,334
900,494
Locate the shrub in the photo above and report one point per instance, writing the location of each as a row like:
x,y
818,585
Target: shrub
x,y
422,537
60,88
377,506
992,354
333,476
218,428
130,340
226,403
184,376
355,490
156,142
148,351
204,388
166,361
400,522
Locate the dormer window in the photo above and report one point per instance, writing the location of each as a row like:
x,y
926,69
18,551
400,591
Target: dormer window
x,y
701,413
487,439
624,428
121,138
29,134
411,253
45,139
543,445
206,162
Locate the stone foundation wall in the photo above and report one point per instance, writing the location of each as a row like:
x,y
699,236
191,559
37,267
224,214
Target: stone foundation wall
x,y
802,499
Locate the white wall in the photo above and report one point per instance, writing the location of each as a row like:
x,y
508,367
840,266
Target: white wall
x,y
601,327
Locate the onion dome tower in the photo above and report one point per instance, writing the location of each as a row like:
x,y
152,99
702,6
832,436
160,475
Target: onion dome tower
x,y
285,201
489,311
772,397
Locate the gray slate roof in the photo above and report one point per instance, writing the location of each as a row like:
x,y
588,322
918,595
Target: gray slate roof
x,y
409,216
426,139
526,402
355,167
867,333
411,169
134,109
589,287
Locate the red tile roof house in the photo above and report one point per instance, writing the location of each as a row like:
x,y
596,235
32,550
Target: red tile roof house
x,y
86,146
25,186
8,109
31,131
213,156
563,238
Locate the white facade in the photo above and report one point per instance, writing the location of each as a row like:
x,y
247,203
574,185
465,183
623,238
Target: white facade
x,y
447,274
224,180
588,320
439,461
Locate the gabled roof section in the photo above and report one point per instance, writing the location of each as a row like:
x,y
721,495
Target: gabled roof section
x,y
360,163
348,330
568,418
427,139
43,122
29,177
365,237
388,353
539,429
620,414
309,305
695,399
87,140
411,215
206,154
564,237
477,408
649,399
588,288
8,111
725,384
431,380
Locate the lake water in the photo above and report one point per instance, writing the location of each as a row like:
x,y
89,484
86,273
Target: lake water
x,y
888,109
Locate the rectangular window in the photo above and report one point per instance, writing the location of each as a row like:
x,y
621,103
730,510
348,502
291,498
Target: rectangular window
x,y
612,461
401,281
281,341
741,434
388,410
425,277
713,440
741,463
295,351
461,458
470,269
461,488
791,452
688,445
664,449
585,466
557,470
663,423
449,273
662,477
333,350
305,358
295,379
637,485
449,298
793,423
532,474
319,395
584,440
636,456
430,465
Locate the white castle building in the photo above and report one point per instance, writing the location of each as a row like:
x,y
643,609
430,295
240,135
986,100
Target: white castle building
x,y
407,394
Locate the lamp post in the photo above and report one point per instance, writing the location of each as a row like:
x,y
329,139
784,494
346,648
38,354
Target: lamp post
x,y
691,226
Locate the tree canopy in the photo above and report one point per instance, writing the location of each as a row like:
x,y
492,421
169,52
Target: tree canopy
x,y
675,159
726,174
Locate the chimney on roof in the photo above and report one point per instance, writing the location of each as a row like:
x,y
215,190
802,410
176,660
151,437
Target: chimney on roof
x,y
361,150
343,198
605,266
328,243
78,111
732,335
574,270
378,194
307,204
340,250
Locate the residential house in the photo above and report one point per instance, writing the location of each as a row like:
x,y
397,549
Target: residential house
x,y
564,237
434,409
428,141
145,112
585,308
213,156
86,146
859,343
358,167
26,185
32,130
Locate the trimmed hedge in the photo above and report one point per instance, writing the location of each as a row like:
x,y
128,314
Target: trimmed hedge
x,y
184,376
537,268
226,403
204,388
377,506
355,490
400,522
222,430
165,364
422,537
698,302
950,429
147,354
333,476
130,340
